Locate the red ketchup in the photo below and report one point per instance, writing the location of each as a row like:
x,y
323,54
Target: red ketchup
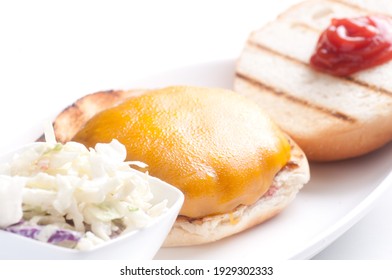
x,y
349,45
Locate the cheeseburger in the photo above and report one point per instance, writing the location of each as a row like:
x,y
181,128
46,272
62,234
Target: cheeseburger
x,y
235,167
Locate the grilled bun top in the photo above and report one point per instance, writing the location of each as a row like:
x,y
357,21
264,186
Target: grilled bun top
x,y
219,148
331,118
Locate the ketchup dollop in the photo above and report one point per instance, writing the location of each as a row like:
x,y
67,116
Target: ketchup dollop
x,y
350,45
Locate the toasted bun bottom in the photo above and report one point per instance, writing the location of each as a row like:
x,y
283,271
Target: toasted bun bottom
x,y
186,232
286,185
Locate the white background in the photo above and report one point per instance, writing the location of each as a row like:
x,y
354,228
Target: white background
x,y
53,52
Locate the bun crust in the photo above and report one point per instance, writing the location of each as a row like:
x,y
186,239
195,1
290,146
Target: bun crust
x,y
74,117
187,231
331,118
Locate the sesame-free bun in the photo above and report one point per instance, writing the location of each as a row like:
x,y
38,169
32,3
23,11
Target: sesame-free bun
x,y
234,165
331,118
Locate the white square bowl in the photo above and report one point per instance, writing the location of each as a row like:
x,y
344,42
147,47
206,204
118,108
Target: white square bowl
x,y
140,244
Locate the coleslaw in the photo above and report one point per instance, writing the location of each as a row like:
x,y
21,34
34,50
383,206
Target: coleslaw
x,y
72,196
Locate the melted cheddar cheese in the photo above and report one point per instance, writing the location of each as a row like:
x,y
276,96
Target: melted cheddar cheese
x,y
217,147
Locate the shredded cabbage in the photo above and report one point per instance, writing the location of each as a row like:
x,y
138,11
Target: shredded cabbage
x,y
68,192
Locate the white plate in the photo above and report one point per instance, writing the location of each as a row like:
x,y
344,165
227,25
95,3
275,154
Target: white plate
x,y
338,195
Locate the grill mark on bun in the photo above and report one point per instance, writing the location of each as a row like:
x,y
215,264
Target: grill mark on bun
x,y
304,26
291,165
286,95
262,47
73,117
374,88
371,87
